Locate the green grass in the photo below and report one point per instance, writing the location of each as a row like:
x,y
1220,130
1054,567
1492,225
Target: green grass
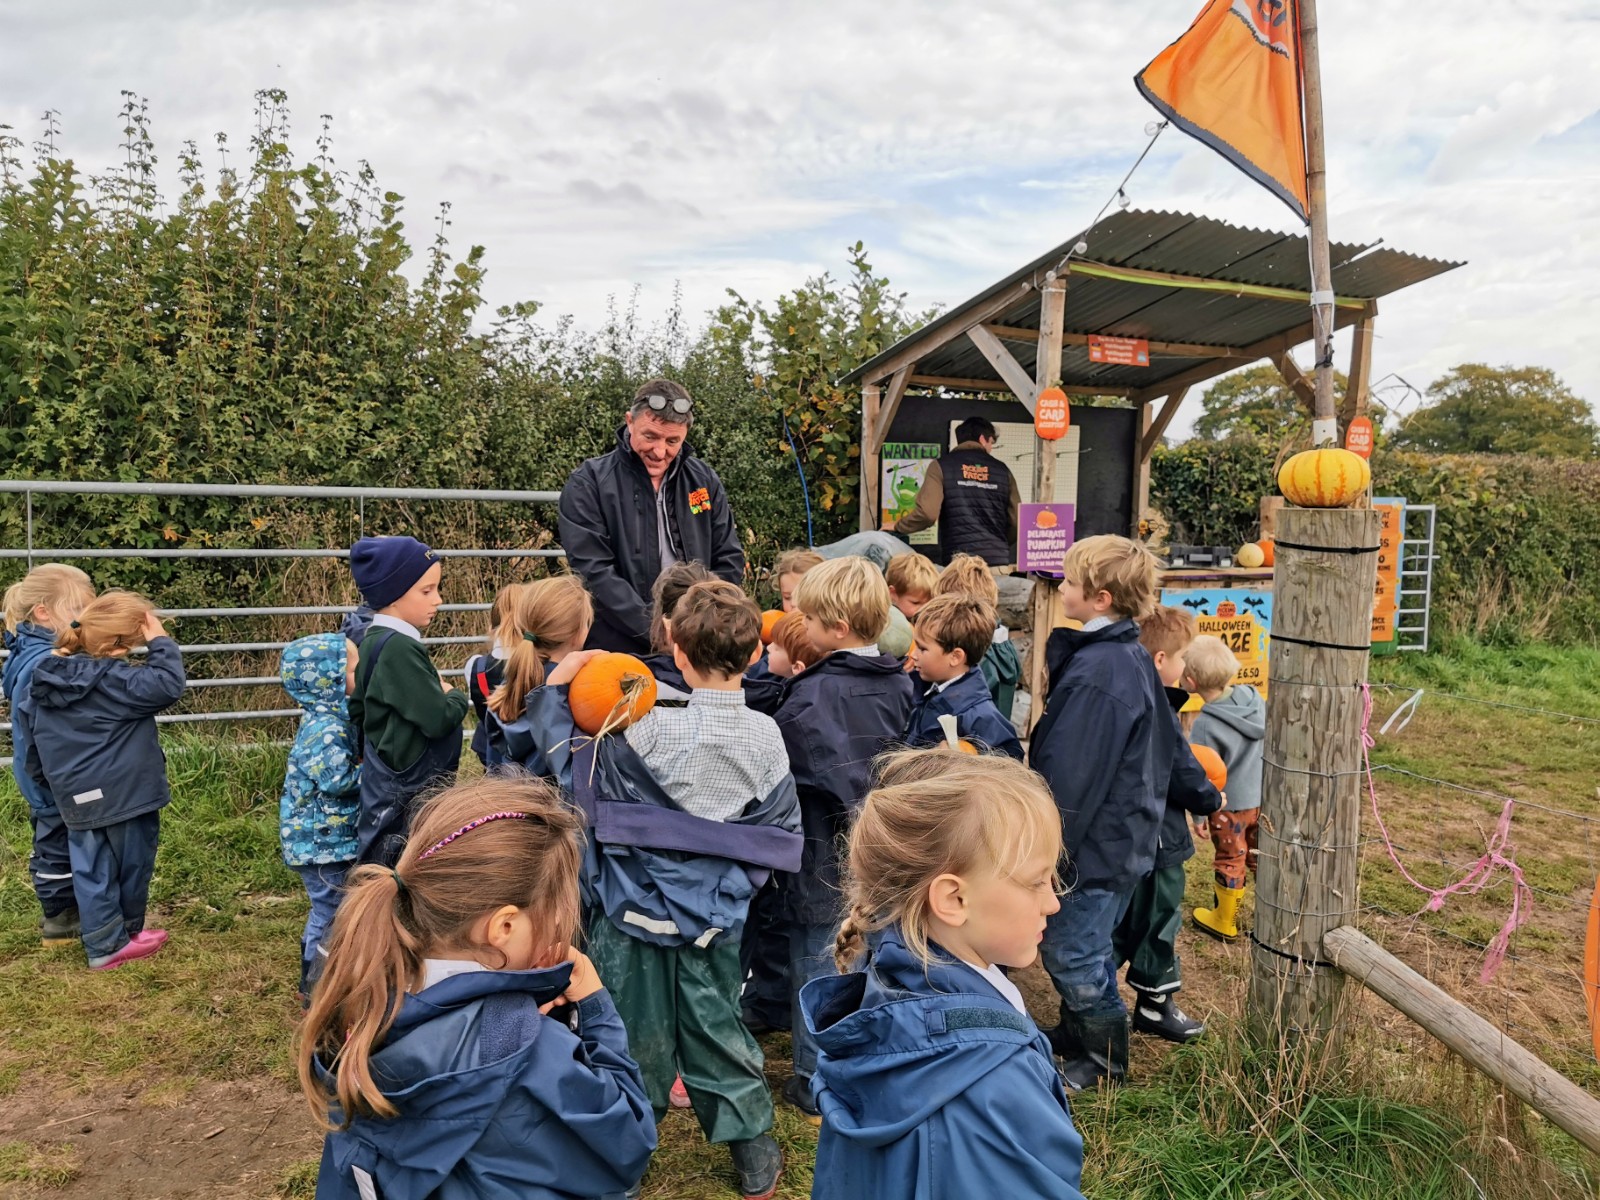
x,y
47,1168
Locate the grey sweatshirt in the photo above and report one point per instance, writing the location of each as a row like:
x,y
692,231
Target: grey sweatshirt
x,y
1235,726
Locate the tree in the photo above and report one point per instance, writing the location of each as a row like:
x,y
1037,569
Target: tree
x,y
1478,409
1255,403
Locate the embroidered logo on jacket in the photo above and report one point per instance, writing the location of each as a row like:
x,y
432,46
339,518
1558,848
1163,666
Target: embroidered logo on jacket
x,y
975,472
700,501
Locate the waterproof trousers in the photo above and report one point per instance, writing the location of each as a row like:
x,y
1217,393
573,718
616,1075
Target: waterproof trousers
x,y
1147,936
111,870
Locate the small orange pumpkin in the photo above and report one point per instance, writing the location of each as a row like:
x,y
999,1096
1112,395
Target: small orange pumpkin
x,y
611,692
1327,478
769,619
966,747
1211,763
1268,551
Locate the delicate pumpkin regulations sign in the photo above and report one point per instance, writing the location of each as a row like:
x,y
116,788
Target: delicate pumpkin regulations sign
x,y
1044,531
1119,351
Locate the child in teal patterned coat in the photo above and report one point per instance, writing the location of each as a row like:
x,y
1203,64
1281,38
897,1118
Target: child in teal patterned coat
x,y
322,789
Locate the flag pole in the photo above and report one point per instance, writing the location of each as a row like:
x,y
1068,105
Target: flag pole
x,y
1325,422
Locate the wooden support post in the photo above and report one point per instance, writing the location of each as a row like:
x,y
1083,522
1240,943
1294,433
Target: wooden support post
x,y
1359,384
1324,417
1522,1073
1311,784
867,494
889,407
1305,391
1008,368
1041,603
1152,427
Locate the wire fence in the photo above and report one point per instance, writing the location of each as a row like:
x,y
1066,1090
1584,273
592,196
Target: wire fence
x,y
1480,854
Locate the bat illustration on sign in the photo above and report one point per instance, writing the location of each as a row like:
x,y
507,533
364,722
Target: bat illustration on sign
x,y
1194,603
1255,602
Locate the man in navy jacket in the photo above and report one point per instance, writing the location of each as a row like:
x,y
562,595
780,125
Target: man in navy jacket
x,y
645,504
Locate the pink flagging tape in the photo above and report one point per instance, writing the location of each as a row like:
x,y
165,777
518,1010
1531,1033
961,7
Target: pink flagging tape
x,y
1497,855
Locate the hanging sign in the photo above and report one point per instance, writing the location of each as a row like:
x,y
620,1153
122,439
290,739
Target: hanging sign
x,y
1119,351
1044,531
1051,415
1358,438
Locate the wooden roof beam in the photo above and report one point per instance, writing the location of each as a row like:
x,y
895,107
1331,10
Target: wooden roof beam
x,y
921,347
1269,348
1158,427
956,384
1005,366
1017,333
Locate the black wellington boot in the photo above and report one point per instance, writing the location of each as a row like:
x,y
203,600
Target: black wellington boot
x,y
1161,1016
1103,1053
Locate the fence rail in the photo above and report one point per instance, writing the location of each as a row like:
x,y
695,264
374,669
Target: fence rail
x,y
358,496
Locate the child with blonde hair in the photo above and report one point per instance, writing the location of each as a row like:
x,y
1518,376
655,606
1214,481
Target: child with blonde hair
x,y
668,589
484,673
931,1077
912,579
548,619
461,1047
1093,746
788,571
95,747
969,575
37,608
1233,722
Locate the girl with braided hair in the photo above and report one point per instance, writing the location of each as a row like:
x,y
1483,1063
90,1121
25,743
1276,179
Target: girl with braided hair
x,y
932,1079
457,1046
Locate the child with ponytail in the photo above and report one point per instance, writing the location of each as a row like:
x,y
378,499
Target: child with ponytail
x,y
94,747
37,608
460,1046
546,620
484,673
931,1077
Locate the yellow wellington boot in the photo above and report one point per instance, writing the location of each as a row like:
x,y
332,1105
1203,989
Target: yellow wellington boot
x,y
1220,922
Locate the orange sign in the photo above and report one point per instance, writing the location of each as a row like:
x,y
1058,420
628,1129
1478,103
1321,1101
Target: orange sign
x,y
1233,81
1358,438
1385,601
1120,352
1051,416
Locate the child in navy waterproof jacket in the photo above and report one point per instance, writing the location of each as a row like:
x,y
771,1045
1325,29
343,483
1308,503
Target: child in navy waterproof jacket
x,y
484,673
1093,746
932,1079
544,621
952,635
690,809
321,797
460,1046
837,715
37,608
95,746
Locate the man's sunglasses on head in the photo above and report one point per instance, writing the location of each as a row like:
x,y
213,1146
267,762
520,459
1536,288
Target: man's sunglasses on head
x,y
660,403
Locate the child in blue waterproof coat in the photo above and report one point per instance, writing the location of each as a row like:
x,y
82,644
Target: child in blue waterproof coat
x,y
952,635
461,1047
37,608
321,797
932,1079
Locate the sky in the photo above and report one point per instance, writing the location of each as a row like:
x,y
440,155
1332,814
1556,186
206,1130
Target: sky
x,y
595,148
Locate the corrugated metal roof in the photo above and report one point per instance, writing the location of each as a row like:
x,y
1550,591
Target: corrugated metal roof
x,y
1179,244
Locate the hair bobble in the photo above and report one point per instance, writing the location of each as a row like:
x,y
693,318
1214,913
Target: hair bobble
x,y
399,884
468,828
77,625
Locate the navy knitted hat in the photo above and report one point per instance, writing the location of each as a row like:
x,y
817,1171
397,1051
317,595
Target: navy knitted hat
x,y
386,568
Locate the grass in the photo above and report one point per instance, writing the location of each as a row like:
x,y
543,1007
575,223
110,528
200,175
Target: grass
x,y
1207,1122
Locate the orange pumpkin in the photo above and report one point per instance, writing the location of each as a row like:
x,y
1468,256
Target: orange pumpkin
x,y
611,692
966,747
768,619
1211,763
1268,551
1328,478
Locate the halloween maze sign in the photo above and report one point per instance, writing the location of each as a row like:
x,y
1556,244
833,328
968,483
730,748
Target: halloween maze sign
x,y
1240,617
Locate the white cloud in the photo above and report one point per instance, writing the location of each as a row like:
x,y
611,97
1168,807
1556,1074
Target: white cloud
x,y
594,147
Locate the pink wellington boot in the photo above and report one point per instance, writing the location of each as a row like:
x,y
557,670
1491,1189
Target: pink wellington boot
x,y
158,936
136,948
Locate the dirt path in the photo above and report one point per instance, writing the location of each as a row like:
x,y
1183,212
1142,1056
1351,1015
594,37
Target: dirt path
x,y
232,1141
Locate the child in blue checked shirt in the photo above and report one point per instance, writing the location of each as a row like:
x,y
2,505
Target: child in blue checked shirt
x,y
322,788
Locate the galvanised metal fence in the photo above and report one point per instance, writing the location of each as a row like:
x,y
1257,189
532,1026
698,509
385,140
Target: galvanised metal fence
x,y
358,496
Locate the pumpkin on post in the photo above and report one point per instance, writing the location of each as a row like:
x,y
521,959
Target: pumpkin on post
x,y
611,692
1328,478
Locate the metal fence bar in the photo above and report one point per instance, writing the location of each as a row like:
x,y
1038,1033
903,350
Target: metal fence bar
x,y
296,491
318,610
188,552
256,647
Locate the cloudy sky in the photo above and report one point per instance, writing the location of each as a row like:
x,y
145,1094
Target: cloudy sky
x,y
593,147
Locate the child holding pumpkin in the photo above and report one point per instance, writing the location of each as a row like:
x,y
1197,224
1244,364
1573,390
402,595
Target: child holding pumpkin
x,y
1234,724
691,809
952,635
1147,936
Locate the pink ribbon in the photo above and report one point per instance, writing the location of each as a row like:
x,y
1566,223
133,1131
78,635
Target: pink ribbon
x,y
1477,877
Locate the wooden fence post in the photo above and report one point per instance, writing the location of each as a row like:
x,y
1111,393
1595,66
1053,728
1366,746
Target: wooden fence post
x,y
1306,884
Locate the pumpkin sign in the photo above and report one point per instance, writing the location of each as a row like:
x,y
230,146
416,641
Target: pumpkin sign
x,y
1249,556
1211,763
1227,609
611,692
1329,478
1051,415
769,619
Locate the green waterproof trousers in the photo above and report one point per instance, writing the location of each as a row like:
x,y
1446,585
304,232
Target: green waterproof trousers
x,y
1147,937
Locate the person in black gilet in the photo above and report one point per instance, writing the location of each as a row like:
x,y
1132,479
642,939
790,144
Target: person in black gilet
x,y
973,497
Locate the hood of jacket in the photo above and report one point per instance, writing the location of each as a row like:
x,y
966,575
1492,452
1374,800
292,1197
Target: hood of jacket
x,y
1242,710
59,682
312,671
25,647
873,1027
434,1062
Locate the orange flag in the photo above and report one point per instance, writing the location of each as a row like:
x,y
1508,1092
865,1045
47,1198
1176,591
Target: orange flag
x,y
1233,81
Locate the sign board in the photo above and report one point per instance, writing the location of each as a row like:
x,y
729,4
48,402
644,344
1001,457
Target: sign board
x,y
1051,417
1044,531
1241,617
905,465
1358,437
1118,351
1391,511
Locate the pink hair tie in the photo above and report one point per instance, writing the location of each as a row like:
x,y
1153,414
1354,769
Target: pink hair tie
x,y
468,828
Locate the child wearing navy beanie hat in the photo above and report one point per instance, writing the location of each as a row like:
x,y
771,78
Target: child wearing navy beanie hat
x,y
410,719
